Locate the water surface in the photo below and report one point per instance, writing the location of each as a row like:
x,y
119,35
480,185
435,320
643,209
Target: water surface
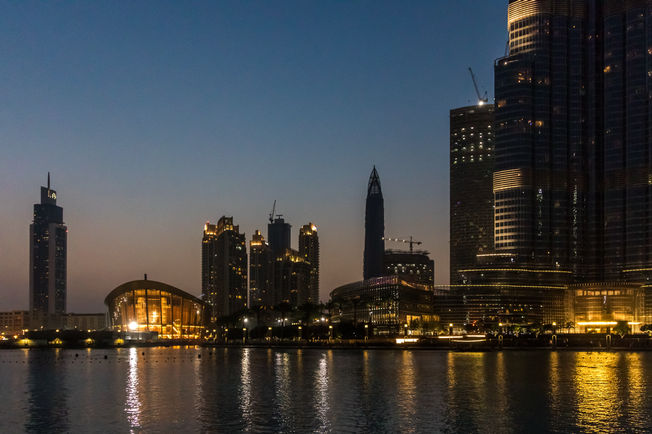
x,y
226,390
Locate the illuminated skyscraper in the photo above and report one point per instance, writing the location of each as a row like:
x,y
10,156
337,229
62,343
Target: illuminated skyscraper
x,y
224,269
471,194
309,250
47,254
261,263
374,243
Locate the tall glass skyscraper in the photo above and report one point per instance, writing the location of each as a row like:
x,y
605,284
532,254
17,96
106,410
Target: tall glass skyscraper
x,y
572,182
374,241
47,253
471,195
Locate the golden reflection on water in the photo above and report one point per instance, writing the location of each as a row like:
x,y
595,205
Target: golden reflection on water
x,y
132,403
407,388
596,388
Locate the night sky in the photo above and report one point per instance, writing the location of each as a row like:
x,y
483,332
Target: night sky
x,y
154,117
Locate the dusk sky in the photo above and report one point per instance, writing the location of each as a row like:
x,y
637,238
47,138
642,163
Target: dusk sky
x,y
154,117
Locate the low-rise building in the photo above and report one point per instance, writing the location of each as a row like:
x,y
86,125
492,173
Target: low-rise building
x,y
386,303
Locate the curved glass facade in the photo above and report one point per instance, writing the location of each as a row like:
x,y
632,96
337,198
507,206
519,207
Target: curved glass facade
x,y
149,306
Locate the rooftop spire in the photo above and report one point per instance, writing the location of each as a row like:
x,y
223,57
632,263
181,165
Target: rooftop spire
x,y
374,183
48,180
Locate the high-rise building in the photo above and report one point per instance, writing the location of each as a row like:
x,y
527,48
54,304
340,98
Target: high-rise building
x,y
374,242
261,267
309,250
571,182
47,254
225,268
209,266
279,234
292,279
471,194
573,158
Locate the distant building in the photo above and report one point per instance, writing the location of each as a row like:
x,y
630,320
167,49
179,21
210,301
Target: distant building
x,y
261,269
309,250
374,243
209,266
471,193
279,234
84,321
387,303
48,250
14,322
292,274
147,306
414,267
224,268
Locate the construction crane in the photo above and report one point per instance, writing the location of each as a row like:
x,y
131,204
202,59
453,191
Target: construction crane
x,y
272,214
481,100
411,242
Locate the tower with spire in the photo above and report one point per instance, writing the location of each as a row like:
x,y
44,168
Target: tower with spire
x,y
374,243
47,254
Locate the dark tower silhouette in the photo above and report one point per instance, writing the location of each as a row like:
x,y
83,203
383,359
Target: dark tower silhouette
x,y
374,227
47,275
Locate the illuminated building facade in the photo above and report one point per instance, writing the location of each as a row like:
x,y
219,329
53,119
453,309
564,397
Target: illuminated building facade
x,y
374,228
224,268
572,165
209,265
471,194
14,322
387,303
292,273
48,256
309,250
415,266
573,157
261,268
150,306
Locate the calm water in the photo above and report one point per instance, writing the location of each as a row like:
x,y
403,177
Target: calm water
x,y
323,390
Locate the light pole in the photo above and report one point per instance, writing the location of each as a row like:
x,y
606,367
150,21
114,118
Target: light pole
x,y
366,332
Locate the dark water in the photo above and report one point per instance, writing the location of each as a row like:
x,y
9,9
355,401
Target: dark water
x,y
171,389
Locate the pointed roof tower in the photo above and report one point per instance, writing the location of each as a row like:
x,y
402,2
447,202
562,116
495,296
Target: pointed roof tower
x,y
374,183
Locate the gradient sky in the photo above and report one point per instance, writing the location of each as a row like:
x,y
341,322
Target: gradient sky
x,y
155,116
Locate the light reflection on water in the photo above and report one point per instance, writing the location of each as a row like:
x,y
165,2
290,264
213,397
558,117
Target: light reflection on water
x,y
132,403
255,390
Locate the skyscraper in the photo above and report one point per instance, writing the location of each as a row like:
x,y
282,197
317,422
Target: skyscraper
x,y
309,250
471,194
48,251
225,268
374,243
261,279
279,234
292,279
572,157
209,267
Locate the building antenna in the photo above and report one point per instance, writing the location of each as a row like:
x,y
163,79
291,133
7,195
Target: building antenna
x,y
48,180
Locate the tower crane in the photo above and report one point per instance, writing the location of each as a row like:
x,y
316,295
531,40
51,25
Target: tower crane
x,y
411,242
272,214
481,99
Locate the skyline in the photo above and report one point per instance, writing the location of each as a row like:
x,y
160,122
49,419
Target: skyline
x,y
133,174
